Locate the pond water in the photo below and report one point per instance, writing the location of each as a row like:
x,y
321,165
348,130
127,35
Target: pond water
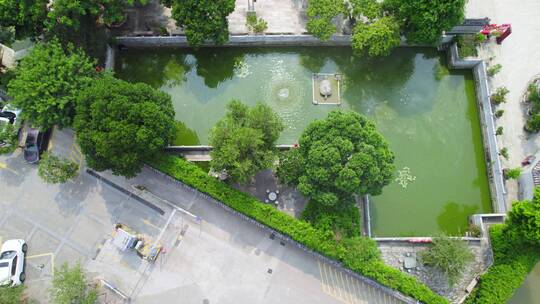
x,y
529,292
427,113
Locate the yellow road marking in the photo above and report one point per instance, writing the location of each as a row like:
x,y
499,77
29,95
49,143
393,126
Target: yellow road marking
x,y
4,166
322,278
42,255
346,290
147,222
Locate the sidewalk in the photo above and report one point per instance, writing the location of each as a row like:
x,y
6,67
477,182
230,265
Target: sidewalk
x,y
519,56
282,16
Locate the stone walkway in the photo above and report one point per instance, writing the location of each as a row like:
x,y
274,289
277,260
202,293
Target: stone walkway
x,y
519,56
282,16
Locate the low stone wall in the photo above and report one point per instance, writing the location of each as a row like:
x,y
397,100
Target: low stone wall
x,y
236,40
487,121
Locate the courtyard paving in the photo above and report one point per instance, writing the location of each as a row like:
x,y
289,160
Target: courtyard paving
x,y
519,57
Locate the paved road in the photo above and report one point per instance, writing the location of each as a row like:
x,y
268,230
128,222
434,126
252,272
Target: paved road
x,y
63,223
227,260
220,259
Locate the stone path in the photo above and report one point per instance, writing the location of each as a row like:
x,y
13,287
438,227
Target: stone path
x,y
519,56
283,16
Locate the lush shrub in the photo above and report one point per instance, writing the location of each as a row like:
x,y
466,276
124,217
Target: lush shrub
x,y
320,14
499,113
256,25
504,153
499,131
301,231
491,71
499,96
343,221
533,123
55,170
512,173
12,295
513,262
467,45
451,256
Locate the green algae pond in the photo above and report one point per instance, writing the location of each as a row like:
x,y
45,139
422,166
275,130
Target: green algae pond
x,y
427,113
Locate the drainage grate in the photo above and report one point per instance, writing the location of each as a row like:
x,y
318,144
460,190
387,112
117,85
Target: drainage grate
x,y
272,236
205,301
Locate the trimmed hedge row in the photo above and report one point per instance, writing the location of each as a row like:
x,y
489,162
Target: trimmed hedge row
x,y
513,262
301,231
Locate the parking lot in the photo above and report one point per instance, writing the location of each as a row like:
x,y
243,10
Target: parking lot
x,y
64,223
210,255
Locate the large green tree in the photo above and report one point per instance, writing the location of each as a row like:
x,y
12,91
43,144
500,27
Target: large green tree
x,y
69,286
26,16
524,220
320,14
376,39
202,19
120,125
370,9
48,81
425,20
244,140
449,255
338,157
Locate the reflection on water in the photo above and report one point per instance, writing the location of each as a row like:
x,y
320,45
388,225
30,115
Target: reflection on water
x,y
529,293
430,120
454,213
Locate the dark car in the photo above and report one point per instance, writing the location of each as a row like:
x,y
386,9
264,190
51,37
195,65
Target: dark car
x,y
33,145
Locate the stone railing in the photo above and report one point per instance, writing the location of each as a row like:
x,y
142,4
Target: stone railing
x,y
487,120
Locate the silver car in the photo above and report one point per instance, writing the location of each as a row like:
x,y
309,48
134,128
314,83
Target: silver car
x,y
12,262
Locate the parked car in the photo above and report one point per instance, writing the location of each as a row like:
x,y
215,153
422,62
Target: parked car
x,y
33,145
9,116
12,264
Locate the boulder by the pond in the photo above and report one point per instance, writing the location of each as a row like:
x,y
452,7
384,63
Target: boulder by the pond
x,y
325,88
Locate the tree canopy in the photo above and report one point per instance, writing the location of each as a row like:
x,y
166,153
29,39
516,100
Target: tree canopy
x,y
524,219
69,286
27,17
451,256
320,14
244,140
48,81
338,157
376,39
425,20
120,125
370,9
202,19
